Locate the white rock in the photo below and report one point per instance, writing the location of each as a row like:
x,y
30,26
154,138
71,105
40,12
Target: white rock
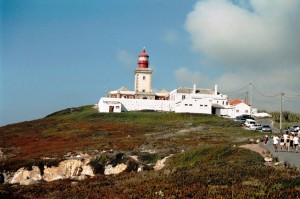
x,y
279,163
160,164
268,159
87,170
29,182
22,174
135,157
65,169
79,178
109,169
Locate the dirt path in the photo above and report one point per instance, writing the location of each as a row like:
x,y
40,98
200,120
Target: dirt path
x,y
257,148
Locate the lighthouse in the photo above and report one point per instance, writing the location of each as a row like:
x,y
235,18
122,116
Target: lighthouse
x,y
143,77
143,61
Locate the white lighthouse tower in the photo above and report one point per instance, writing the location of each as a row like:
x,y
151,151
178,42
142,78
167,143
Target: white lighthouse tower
x,y
143,78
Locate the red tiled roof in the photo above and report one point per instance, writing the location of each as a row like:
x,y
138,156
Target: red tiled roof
x,y
238,101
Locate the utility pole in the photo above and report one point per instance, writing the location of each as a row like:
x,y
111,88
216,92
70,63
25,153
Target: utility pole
x,y
280,125
250,96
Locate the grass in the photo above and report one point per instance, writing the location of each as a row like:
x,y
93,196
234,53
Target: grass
x,y
205,165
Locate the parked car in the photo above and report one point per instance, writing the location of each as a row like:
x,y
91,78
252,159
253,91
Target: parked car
x,y
249,122
294,128
266,128
239,120
242,118
256,126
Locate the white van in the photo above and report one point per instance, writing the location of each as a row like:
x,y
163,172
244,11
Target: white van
x,y
249,122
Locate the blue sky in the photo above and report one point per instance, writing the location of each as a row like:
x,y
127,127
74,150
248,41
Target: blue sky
x,y
57,54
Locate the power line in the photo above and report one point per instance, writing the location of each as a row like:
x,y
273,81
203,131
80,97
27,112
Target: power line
x,y
292,96
260,93
269,96
237,90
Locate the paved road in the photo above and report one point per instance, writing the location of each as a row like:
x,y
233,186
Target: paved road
x,y
291,158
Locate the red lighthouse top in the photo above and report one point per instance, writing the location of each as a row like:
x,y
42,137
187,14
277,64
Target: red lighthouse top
x,y
143,59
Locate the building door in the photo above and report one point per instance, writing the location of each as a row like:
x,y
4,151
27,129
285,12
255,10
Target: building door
x,y
111,109
213,111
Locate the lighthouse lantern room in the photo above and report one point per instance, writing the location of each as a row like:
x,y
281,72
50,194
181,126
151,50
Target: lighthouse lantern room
x,y
143,77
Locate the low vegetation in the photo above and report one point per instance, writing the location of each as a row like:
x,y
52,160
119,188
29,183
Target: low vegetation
x,y
207,162
288,119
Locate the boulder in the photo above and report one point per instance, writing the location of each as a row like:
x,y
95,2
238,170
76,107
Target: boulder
x,y
23,174
110,169
80,178
29,182
87,170
160,164
268,159
65,169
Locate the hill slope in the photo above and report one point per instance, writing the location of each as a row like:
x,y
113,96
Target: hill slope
x,y
205,163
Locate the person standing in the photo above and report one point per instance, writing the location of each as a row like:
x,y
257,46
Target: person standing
x,y
275,142
291,144
286,140
281,143
266,139
296,142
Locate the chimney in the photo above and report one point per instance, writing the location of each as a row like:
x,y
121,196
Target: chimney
x,y
216,89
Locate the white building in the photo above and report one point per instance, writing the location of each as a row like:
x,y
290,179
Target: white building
x,y
199,100
181,100
241,107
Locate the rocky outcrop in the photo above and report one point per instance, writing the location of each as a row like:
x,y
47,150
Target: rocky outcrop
x,y
65,169
109,169
80,167
123,163
160,164
71,169
25,177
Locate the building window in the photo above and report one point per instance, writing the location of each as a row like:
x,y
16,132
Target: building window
x,y
117,107
191,104
144,77
186,105
246,111
183,97
201,104
143,90
237,111
205,105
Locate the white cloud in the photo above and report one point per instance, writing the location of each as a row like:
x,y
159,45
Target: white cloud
x,y
188,78
125,58
254,41
266,37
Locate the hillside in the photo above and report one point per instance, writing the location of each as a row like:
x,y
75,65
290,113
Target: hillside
x,y
206,161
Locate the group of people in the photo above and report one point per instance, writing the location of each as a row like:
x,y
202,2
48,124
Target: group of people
x,y
287,141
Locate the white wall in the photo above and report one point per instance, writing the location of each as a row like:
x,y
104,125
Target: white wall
x,y
194,106
241,109
105,104
136,104
226,111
